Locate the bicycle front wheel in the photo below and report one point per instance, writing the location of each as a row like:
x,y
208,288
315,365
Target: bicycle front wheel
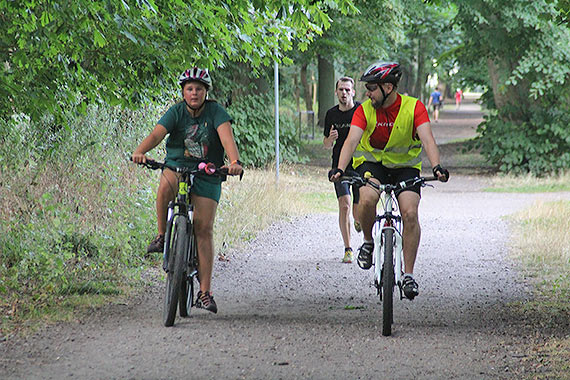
x,y
388,283
186,297
175,274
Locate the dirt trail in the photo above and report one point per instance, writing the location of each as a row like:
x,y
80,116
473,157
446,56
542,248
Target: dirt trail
x,y
290,309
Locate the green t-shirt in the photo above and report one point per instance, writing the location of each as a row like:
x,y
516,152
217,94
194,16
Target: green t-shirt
x,y
192,140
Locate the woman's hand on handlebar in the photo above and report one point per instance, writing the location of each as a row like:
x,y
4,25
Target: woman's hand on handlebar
x,y
139,158
235,168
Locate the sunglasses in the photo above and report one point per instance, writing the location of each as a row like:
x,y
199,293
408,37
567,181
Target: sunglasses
x,y
371,86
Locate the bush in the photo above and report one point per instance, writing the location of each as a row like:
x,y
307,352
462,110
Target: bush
x,y
539,146
254,131
70,202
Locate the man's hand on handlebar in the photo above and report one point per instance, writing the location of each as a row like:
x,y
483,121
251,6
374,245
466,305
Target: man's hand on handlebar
x,y
335,174
441,173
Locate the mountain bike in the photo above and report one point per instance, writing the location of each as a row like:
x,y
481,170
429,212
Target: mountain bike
x,y
387,236
180,258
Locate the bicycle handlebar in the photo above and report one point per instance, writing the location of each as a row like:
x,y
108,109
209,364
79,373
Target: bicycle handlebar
x,y
359,181
205,169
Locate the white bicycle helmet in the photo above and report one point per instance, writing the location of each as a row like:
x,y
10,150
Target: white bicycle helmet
x,y
196,74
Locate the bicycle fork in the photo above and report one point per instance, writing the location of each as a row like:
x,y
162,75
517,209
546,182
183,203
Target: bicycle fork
x,y
398,260
379,257
168,236
170,229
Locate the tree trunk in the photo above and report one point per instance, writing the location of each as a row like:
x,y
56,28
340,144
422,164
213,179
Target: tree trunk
x,y
326,88
514,96
307,89
493,69
420,81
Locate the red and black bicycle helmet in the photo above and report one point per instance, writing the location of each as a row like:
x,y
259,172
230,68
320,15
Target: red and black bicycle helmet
x,y
196,74
382,72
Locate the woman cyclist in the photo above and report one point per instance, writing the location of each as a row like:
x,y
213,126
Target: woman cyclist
x,y
199,130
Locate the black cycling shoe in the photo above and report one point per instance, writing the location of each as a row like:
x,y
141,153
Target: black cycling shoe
x,y
365,255
410,287
157,245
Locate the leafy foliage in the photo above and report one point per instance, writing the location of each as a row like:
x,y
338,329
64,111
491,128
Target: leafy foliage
x,y
376,27
58,53
430,36
70,207
527,83
254,131
506,143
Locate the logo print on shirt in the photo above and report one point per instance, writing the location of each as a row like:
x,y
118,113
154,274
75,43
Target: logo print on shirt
x,y
196,142
384,124
341,126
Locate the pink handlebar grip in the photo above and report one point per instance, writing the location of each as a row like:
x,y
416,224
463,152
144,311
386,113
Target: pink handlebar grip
x,y
210,168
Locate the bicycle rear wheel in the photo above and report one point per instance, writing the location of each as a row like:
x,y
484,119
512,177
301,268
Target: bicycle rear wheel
x,y
175,275
186,297
388,283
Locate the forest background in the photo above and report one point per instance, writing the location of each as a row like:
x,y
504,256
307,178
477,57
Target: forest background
x,y
83,82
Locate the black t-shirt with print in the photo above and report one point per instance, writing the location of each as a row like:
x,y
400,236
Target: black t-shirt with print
x,y
341,122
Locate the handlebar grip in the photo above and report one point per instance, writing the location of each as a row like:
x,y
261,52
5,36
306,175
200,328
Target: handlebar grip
x,y
225,172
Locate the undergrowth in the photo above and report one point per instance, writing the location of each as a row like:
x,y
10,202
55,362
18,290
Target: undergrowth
x,y
76,215
541,242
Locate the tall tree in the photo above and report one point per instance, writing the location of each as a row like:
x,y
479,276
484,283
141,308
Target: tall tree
x,y
351,43
525,49
59,53
430,34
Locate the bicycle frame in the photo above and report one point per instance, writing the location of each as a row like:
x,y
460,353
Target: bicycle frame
x,y
181,265
387,226
390,219
185,208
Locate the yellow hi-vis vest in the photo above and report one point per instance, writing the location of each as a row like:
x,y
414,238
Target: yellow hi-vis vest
x,y
402,149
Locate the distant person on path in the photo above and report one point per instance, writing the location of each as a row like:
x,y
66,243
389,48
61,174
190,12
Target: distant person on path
x,y
435,100
458,97
337,125
387,135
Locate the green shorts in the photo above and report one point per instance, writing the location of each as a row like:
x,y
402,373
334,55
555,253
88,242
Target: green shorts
x,y
206,189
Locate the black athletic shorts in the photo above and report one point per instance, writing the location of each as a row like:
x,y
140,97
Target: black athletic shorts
x,y
344,189
392,176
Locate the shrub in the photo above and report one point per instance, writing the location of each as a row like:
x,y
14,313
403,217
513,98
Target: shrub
x,y
539,146
254,131
70,210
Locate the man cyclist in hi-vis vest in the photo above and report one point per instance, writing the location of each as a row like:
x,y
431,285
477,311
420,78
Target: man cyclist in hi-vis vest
x,y
386,137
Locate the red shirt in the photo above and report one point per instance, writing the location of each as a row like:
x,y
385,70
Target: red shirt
x,y
385,121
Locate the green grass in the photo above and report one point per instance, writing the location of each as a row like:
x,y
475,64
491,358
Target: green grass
x,y
541,243
530,184
322,201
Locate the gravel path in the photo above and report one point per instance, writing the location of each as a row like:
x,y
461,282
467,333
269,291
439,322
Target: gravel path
x,y
290,309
